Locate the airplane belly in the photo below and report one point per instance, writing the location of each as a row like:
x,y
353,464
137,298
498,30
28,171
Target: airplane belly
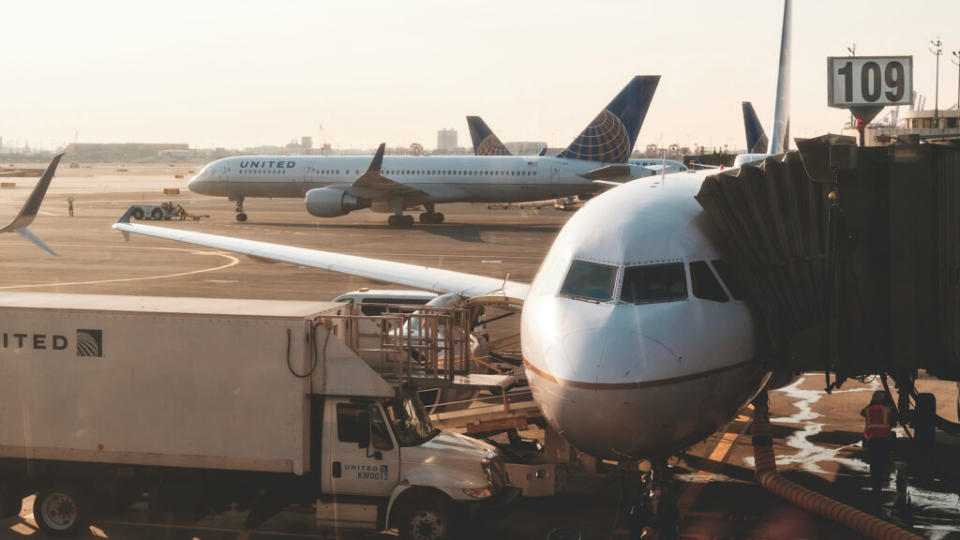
x,y
646,419
228,188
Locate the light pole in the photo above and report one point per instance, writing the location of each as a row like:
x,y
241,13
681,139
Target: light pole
x,y
852,49
937,51
956,62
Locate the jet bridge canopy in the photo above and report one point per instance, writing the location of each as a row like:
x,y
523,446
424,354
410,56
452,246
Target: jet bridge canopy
x,y
852,254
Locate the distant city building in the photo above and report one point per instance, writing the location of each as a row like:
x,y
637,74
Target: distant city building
x,y
447,140
113,152
306,142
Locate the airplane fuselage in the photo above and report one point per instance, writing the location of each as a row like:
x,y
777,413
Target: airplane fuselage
x,y
653,352
442,179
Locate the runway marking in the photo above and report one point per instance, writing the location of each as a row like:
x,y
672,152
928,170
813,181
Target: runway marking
x,y
717,458
233,262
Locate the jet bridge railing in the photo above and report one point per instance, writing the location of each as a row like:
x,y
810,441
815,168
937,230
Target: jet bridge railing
x,y
428,346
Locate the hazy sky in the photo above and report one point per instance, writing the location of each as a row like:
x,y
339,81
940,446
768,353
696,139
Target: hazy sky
x,y
241,73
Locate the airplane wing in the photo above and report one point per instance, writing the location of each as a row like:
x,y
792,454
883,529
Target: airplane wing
x,y
616,174
32,205
409,275
373,185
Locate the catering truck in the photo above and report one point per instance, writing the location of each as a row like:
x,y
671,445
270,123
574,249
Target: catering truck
x,y
215,403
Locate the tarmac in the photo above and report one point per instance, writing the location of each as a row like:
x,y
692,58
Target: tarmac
x,y
816,435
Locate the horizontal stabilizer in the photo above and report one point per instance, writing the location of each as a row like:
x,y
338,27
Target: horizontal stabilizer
x,y
617,173
611,136
485,143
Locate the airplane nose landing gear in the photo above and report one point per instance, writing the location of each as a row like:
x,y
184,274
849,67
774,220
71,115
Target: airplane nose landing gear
x,y
648,503
241,215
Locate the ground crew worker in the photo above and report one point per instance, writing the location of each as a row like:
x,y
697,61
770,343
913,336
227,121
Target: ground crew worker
x,y
70,205
878,436
182,212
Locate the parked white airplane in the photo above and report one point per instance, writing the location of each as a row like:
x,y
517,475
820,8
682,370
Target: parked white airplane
x,y
29,210
636,341
486,143
336,185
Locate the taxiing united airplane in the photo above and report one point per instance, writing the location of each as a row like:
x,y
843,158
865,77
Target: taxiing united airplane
x,y
336,185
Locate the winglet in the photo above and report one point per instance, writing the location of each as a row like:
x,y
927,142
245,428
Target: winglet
x,y
30,208
28,234
377,159
485,143
125,218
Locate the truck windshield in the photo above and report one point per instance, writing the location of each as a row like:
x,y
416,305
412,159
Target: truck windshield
x,y
410,422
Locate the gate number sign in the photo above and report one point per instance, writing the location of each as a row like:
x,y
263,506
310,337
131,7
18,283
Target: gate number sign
x,y
867,81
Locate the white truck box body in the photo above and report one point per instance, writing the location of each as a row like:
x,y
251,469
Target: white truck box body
x,y
184,382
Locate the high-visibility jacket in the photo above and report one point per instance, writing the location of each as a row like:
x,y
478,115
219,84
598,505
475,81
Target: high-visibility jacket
x,y
878,422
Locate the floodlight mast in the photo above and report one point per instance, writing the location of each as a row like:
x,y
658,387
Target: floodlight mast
x,y
937,51
956,62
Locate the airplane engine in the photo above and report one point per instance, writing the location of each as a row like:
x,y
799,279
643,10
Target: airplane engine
x,y
333,202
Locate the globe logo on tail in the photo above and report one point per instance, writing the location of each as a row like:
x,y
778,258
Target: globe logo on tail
x,y
605,139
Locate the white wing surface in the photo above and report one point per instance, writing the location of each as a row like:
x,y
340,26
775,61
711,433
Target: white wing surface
x,y
409,275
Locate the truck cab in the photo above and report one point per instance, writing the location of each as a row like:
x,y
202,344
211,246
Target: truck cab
x,y
384,464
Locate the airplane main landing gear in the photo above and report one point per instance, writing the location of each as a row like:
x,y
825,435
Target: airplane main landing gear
x,y
400,220
241,215
431,218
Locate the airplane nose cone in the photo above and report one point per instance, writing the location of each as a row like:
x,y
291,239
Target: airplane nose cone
x,y
198,185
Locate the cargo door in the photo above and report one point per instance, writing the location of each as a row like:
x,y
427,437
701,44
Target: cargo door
x,y
362,458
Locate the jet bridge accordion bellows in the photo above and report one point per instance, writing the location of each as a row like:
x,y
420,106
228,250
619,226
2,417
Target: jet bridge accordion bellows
x,y
863,281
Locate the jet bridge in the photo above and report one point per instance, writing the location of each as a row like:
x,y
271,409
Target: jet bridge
x,y
852,255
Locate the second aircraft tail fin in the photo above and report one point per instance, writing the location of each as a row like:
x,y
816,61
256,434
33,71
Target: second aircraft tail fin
x,y
485,143
756,137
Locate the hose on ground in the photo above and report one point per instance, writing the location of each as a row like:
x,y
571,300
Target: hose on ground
x,y
767,476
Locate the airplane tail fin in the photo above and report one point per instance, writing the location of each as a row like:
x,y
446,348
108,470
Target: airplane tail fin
x,y
611,136
485,143
756,138
780,133
32,206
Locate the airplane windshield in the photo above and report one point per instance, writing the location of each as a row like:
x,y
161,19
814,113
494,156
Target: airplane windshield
x,y
590,281
410,422
654,283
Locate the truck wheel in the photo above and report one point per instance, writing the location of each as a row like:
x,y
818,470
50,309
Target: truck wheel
x,y
157,214
428,522
59,511
138,213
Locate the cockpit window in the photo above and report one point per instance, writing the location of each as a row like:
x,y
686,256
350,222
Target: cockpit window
x,y
705,284
590,281
729,278
654,283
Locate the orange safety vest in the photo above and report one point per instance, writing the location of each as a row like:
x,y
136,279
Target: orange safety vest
x,y
878,421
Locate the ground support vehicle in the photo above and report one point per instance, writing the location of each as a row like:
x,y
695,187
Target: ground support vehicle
x,y
207,403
